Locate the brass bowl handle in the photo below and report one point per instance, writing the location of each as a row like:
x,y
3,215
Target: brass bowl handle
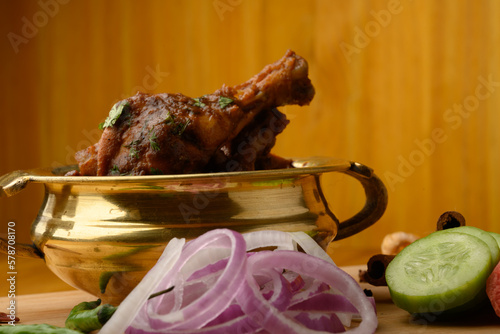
x,y
11,184
375,205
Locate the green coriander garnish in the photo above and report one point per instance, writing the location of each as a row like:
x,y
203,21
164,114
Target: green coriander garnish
x,y
224,101
115,170
133,152
101,126
198,103
153,143
155,171
169,119
133,148
181,127
115,113
132,143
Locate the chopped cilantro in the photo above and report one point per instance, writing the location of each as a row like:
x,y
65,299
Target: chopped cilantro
x,y
169,119
132,143
115,170
115,113
224,101
155,171
181,127
153,143
198,103
133,152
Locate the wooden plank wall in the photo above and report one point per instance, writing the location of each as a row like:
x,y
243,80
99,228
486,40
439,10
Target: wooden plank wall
x,y
409,88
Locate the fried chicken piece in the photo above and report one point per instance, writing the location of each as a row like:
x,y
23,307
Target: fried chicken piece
x,y
250,150
87,160
175,134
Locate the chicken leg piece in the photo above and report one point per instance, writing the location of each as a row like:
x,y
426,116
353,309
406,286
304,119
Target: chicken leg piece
x,y
250,149
175,134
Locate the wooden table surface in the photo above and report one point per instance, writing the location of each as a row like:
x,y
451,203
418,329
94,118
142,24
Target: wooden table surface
x,y
53,308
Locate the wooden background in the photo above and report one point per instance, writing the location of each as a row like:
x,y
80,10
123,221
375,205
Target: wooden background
x,y
409,88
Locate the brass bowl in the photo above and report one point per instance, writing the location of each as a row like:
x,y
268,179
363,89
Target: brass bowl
x,y
101,234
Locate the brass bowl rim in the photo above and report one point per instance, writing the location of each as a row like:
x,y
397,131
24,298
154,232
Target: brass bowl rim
x,y
302,166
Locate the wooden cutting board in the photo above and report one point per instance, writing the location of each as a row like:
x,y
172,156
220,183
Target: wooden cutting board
x,y
53,308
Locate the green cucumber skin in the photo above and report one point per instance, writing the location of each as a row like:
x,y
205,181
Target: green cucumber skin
x,y
441,296
496,236
487,237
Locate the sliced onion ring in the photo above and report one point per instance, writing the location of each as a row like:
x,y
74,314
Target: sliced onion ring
x,y
274,321
218,289
131,305
219,296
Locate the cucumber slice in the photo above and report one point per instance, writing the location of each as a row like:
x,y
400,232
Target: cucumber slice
x,y
496,236
440,272
484,236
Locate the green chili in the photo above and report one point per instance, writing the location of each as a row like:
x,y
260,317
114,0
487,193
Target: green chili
x,y
36,329
89,316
